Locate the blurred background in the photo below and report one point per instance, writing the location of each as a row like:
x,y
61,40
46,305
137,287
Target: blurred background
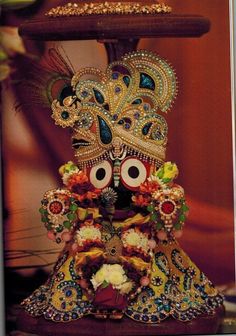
x,y
200,142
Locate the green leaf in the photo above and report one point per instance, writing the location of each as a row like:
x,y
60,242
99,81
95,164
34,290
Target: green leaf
x,y
159,226
153,216
177,226
60,228
42,210
73,207
160,172
150,208
166,180
105,284
184,208
67,224
71,216
182,218
44,219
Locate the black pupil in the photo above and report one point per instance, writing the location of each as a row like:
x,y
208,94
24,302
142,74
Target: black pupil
x,y
133,172
100,174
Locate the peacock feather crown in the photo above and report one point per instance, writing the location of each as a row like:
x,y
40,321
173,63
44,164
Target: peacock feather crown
x,y
121,105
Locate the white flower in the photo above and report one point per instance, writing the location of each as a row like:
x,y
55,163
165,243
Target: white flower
x,y
116,267
135,239
87,232
157,179
116,278
132,238
99,277
112,274
126,287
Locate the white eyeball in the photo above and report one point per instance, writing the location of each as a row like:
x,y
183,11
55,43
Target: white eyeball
x,y
101,174
133,172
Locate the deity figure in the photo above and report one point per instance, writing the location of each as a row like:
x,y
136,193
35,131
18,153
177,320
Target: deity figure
x,y
120,210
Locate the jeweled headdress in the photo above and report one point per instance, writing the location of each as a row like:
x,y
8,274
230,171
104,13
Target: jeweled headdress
x,y
121,105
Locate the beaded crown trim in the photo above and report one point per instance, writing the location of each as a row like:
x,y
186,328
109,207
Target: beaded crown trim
x,y
118,8
124,102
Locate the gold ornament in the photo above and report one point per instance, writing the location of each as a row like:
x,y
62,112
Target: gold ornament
x,y
111,8
120,106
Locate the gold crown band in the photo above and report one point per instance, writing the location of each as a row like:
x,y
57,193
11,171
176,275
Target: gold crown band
x,y
117,8
149,150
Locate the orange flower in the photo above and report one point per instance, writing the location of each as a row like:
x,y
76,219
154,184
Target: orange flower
x,y
80,198
89,195
141,200
77,178
148,187
93,194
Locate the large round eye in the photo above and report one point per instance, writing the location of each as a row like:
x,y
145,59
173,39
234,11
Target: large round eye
x,y
133,172
101,174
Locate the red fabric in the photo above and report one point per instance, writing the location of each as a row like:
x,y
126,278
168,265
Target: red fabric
x,y
109,298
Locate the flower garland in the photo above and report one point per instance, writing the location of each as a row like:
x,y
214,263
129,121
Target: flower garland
x,y
164,200
62,209
159,196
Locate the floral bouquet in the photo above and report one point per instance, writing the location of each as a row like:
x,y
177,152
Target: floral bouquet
x,y
164,200
111,285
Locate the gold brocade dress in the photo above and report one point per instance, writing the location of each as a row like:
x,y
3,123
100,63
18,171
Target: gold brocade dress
x,y
176,286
